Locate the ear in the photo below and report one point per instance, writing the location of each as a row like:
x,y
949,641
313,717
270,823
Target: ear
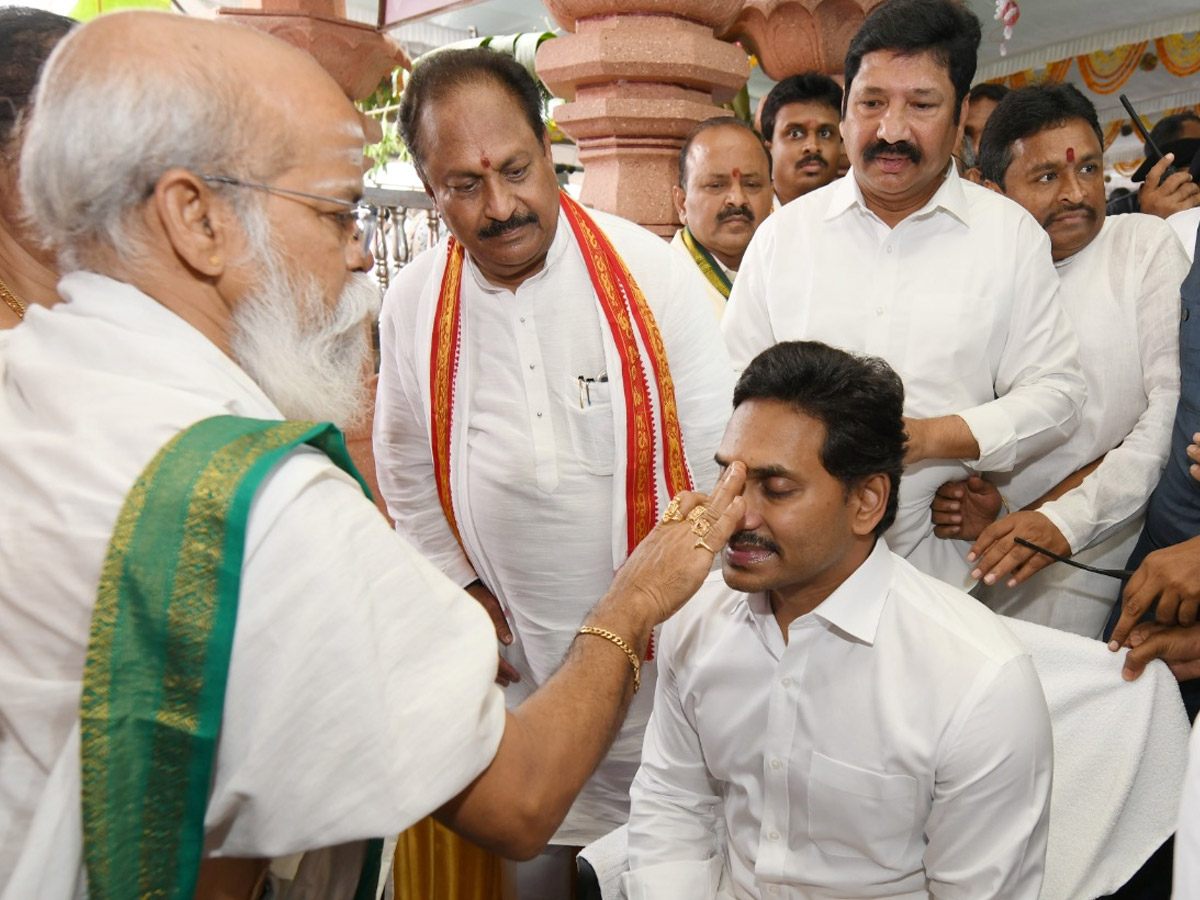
x,y
546,145
992,186
871,499
677,197
197,230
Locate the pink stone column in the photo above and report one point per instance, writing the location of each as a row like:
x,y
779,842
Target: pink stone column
x,y
639,75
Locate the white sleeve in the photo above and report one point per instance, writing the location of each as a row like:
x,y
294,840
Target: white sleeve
x,y
673,850
361,691
403,459
1038,383
988,826
700,369
747,322
1121,485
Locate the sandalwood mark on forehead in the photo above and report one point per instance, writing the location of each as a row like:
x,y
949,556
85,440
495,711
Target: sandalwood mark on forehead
x,y
1070,154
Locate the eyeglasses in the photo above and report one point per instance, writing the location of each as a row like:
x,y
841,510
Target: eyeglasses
x,y
364,215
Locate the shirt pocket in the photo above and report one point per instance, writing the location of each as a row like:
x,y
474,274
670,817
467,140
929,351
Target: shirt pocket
x,y
858,813
590,423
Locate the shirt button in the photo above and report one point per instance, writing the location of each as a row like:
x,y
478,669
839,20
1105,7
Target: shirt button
x,y
879,310
774,835
522,318
539,415
776,764
531,366
889,248
786,682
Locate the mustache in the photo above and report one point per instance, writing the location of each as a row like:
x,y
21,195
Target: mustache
x,y
516,220
752,539
812,158
900,148
1067,210
729,212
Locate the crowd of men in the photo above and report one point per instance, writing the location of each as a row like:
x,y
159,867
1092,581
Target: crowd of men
x,y
833,405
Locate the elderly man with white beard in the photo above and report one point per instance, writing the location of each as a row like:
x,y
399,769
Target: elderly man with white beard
x,y
215,650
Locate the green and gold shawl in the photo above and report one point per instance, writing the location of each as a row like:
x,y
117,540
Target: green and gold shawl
x,y
158,654
708,264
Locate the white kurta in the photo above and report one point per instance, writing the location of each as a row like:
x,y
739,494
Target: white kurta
x,y
1187,839
360,692
1121,293
541,455
715,297
960,299
897,745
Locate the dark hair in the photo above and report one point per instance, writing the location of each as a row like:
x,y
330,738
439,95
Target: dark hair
x,y
947,30
1023,114
444,71
809,87
859,400
716,122
988,90
26,38
1168,129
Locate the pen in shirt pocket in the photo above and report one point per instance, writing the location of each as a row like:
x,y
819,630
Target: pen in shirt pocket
x,y
585,388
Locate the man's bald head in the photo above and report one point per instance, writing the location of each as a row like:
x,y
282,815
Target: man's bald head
x,y
131,95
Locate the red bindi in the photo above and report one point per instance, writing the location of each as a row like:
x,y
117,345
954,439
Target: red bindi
x,y
485,162
1070,154
737,173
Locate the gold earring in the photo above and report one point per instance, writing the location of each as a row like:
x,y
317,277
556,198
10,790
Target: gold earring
x,y
214,260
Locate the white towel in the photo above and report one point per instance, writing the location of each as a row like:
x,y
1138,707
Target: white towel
x,y
609,858
1120,749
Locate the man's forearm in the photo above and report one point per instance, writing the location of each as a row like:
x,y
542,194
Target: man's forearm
x,y
940,437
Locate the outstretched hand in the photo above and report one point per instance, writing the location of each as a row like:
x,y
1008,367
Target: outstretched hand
x,y
963,509
998,556
1170,577
670,564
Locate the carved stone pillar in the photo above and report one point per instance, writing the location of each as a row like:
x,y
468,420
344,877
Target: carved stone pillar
x,y
639,74
794,36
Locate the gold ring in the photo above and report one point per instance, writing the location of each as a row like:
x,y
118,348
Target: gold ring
x,y
700,543
672,513
701,526
697,513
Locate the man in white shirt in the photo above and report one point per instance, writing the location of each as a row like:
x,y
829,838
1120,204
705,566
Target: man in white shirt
x,y
948,282
723,195
830,722
1121,278
547,384
212,275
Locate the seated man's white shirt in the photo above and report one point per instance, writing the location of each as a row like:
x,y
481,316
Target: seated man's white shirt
x,y
1121,293
715,298
541,454
1185,225
960,299
360,693
898,745
1187,839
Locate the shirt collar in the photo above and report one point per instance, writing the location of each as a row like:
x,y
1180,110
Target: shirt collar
x,y
857,603
845,194
854,608
558,247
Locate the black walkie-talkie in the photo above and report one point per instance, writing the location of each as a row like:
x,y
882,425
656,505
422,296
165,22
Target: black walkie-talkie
x,y
1149,141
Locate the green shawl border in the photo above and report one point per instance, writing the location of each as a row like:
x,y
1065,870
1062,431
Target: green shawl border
x,y
158,653
708,264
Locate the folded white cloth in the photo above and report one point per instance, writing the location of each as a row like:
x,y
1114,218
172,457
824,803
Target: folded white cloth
x,y
1120,750
609,858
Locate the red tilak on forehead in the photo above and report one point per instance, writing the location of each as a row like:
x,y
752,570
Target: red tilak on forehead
x,y
737,173
1070,154
485,162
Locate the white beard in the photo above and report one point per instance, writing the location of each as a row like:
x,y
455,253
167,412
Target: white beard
x,y
311,361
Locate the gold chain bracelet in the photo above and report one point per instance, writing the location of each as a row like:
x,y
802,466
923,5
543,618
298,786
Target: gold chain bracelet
x,y
625,648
